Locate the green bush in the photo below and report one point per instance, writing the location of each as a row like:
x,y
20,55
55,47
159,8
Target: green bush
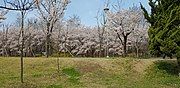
x,y
72,73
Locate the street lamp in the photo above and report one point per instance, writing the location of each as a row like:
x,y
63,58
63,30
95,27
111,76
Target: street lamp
x,y
106,11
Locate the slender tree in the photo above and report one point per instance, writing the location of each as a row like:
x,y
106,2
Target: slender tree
x,y
21,6
50,12
101,31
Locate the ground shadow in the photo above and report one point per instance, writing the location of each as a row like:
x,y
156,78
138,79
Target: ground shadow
x,y
170,66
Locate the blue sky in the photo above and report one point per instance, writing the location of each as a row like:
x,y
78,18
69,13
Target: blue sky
x,y
86,9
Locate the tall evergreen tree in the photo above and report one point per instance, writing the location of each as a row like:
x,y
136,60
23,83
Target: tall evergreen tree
x,y
164,33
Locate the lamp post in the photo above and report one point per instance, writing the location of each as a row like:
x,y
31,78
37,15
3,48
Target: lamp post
x,y
107,42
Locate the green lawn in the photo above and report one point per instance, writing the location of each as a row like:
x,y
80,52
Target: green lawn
x,y
89,73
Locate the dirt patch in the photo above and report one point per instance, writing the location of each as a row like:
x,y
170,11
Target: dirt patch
x,y
140,65
87,66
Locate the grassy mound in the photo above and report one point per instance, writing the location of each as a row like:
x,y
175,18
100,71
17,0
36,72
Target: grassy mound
x,y
89,73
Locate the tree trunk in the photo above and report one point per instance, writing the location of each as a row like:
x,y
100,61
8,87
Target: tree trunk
x,y
6,42
124,46
47,46
137,52
32,52
3,44
47,40
100,48
22,35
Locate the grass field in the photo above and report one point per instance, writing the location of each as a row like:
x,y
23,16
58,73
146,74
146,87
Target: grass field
x,y
89,73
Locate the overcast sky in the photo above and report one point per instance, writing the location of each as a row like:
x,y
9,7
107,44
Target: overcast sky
x,y
86,9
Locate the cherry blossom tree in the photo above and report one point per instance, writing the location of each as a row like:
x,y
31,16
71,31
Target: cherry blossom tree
x,y
50,12
2,13
124,22
101,23
139,38
4,39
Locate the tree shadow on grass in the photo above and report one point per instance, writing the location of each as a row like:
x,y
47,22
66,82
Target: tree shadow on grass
x,y
170,66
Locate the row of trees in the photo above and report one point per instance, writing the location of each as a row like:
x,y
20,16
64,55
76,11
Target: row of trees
x,y
73,38
124,32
